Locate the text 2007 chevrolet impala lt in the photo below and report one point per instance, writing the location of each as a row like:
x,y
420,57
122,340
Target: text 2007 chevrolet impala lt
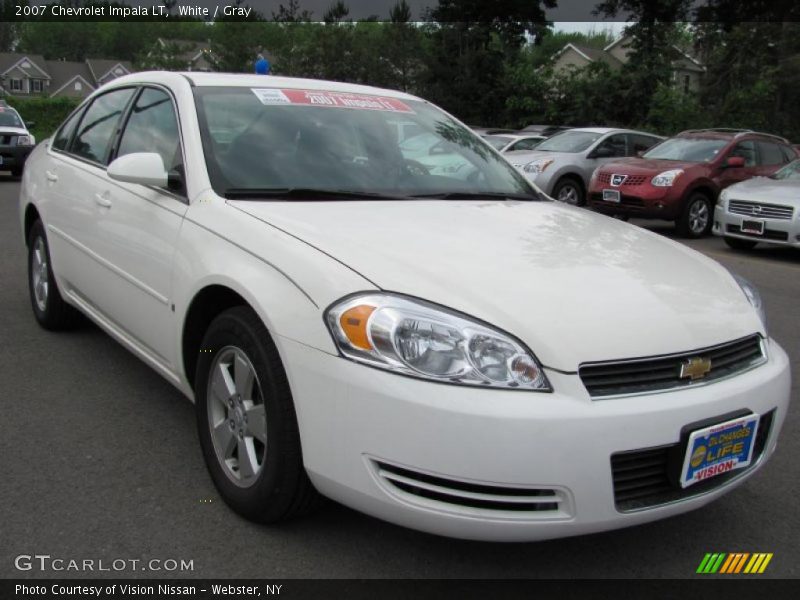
x,y
446,349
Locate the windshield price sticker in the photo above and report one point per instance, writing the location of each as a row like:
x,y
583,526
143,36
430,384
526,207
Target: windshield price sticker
x,y
273,96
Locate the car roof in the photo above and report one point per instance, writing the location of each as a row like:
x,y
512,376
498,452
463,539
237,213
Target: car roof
x,y
605,130
728,134
258,81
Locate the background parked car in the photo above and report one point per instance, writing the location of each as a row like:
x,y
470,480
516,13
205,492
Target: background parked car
x,y
16,142
680,179
514,141
562,165
490,130
762,209
545,130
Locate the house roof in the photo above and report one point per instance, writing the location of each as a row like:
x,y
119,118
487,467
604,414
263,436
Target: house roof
x,y
595,54
100,67
64,71
10,59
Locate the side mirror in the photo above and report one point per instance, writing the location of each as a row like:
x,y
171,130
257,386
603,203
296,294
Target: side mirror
x,y
734,162
144,168
602,152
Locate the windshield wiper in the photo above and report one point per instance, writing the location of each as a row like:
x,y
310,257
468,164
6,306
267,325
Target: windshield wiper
x,y
304,194
478,196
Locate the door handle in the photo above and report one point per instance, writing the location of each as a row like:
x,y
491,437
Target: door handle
x,y
51,176
102,200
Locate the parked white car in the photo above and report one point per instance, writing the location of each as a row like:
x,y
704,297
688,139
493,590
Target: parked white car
x,y
761,210
464,358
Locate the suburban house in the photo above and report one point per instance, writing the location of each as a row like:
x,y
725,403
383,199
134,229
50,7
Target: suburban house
x,y
32,75
180,55
687,72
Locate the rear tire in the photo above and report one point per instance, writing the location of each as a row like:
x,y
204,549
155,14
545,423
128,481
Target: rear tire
x,y
247,423
570,191
738,244
48,306
696,219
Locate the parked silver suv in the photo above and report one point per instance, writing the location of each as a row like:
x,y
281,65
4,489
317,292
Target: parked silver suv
x,y
563,165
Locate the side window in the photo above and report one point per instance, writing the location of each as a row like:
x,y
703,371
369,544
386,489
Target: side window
x,y
788,153
99,124
746,150
641,143
153,127
770,154
64,134
615,145
527,144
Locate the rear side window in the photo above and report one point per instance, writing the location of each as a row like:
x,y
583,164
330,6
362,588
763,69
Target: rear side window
x,y
99,124
65,133
153,127
788,153
770,154
642,143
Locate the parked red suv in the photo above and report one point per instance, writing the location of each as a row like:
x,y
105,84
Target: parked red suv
x,y
680,178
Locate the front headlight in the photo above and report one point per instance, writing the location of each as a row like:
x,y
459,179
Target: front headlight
x,y
537,166
424,340
667,178
25,140
722,200
753,297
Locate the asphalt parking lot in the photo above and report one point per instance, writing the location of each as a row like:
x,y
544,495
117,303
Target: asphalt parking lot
x,y
99,460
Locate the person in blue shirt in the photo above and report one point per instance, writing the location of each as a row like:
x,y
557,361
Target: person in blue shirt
x,y
262,65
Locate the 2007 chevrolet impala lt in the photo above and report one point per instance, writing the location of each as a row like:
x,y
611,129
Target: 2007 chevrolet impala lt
x,y
443,348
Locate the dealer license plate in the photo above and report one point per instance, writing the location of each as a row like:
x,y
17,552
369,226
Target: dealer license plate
x,y
611,196
756,227
719,449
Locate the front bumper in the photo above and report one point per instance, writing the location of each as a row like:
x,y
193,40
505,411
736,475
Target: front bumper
x,y
364,431
13,157
783,232
644,201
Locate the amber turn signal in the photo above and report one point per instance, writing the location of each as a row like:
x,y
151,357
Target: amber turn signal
x,y
354,325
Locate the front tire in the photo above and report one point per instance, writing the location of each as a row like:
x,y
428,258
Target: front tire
x,y
738,244
696,219
48,306
247,423
570,191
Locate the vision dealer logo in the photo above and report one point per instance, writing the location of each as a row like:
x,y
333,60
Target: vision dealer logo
x,y
734,563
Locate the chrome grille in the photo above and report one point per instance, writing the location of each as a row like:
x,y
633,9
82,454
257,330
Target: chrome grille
x,y
660,373
760,210
436,491
629,180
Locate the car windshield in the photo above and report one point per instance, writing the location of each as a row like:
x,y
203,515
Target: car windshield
x,y
790,171
570,141
10,119
498,142
687,149
259,142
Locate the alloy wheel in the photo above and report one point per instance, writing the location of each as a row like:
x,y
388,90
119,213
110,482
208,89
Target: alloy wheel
x,y
40,274
236,416
568,194
698,216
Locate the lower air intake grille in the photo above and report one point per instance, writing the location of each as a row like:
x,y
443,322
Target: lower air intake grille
x,y
486,498
665,372
645,478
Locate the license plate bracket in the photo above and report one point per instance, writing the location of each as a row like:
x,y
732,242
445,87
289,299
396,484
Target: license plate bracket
x,y
611,196
719,448
753,227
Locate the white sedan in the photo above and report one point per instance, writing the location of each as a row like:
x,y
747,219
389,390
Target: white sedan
x,y
462,357
761,210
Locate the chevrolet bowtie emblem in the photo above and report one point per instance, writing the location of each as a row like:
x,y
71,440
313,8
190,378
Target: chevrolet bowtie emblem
x,y
695,368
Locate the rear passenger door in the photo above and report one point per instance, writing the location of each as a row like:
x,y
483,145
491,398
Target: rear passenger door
x,y
76,164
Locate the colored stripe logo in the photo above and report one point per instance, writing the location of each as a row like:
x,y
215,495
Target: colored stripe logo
x,y
734,563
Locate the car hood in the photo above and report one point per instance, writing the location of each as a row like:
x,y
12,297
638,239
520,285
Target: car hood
x,y
523,157
644,166
13,131
575,286
764,189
